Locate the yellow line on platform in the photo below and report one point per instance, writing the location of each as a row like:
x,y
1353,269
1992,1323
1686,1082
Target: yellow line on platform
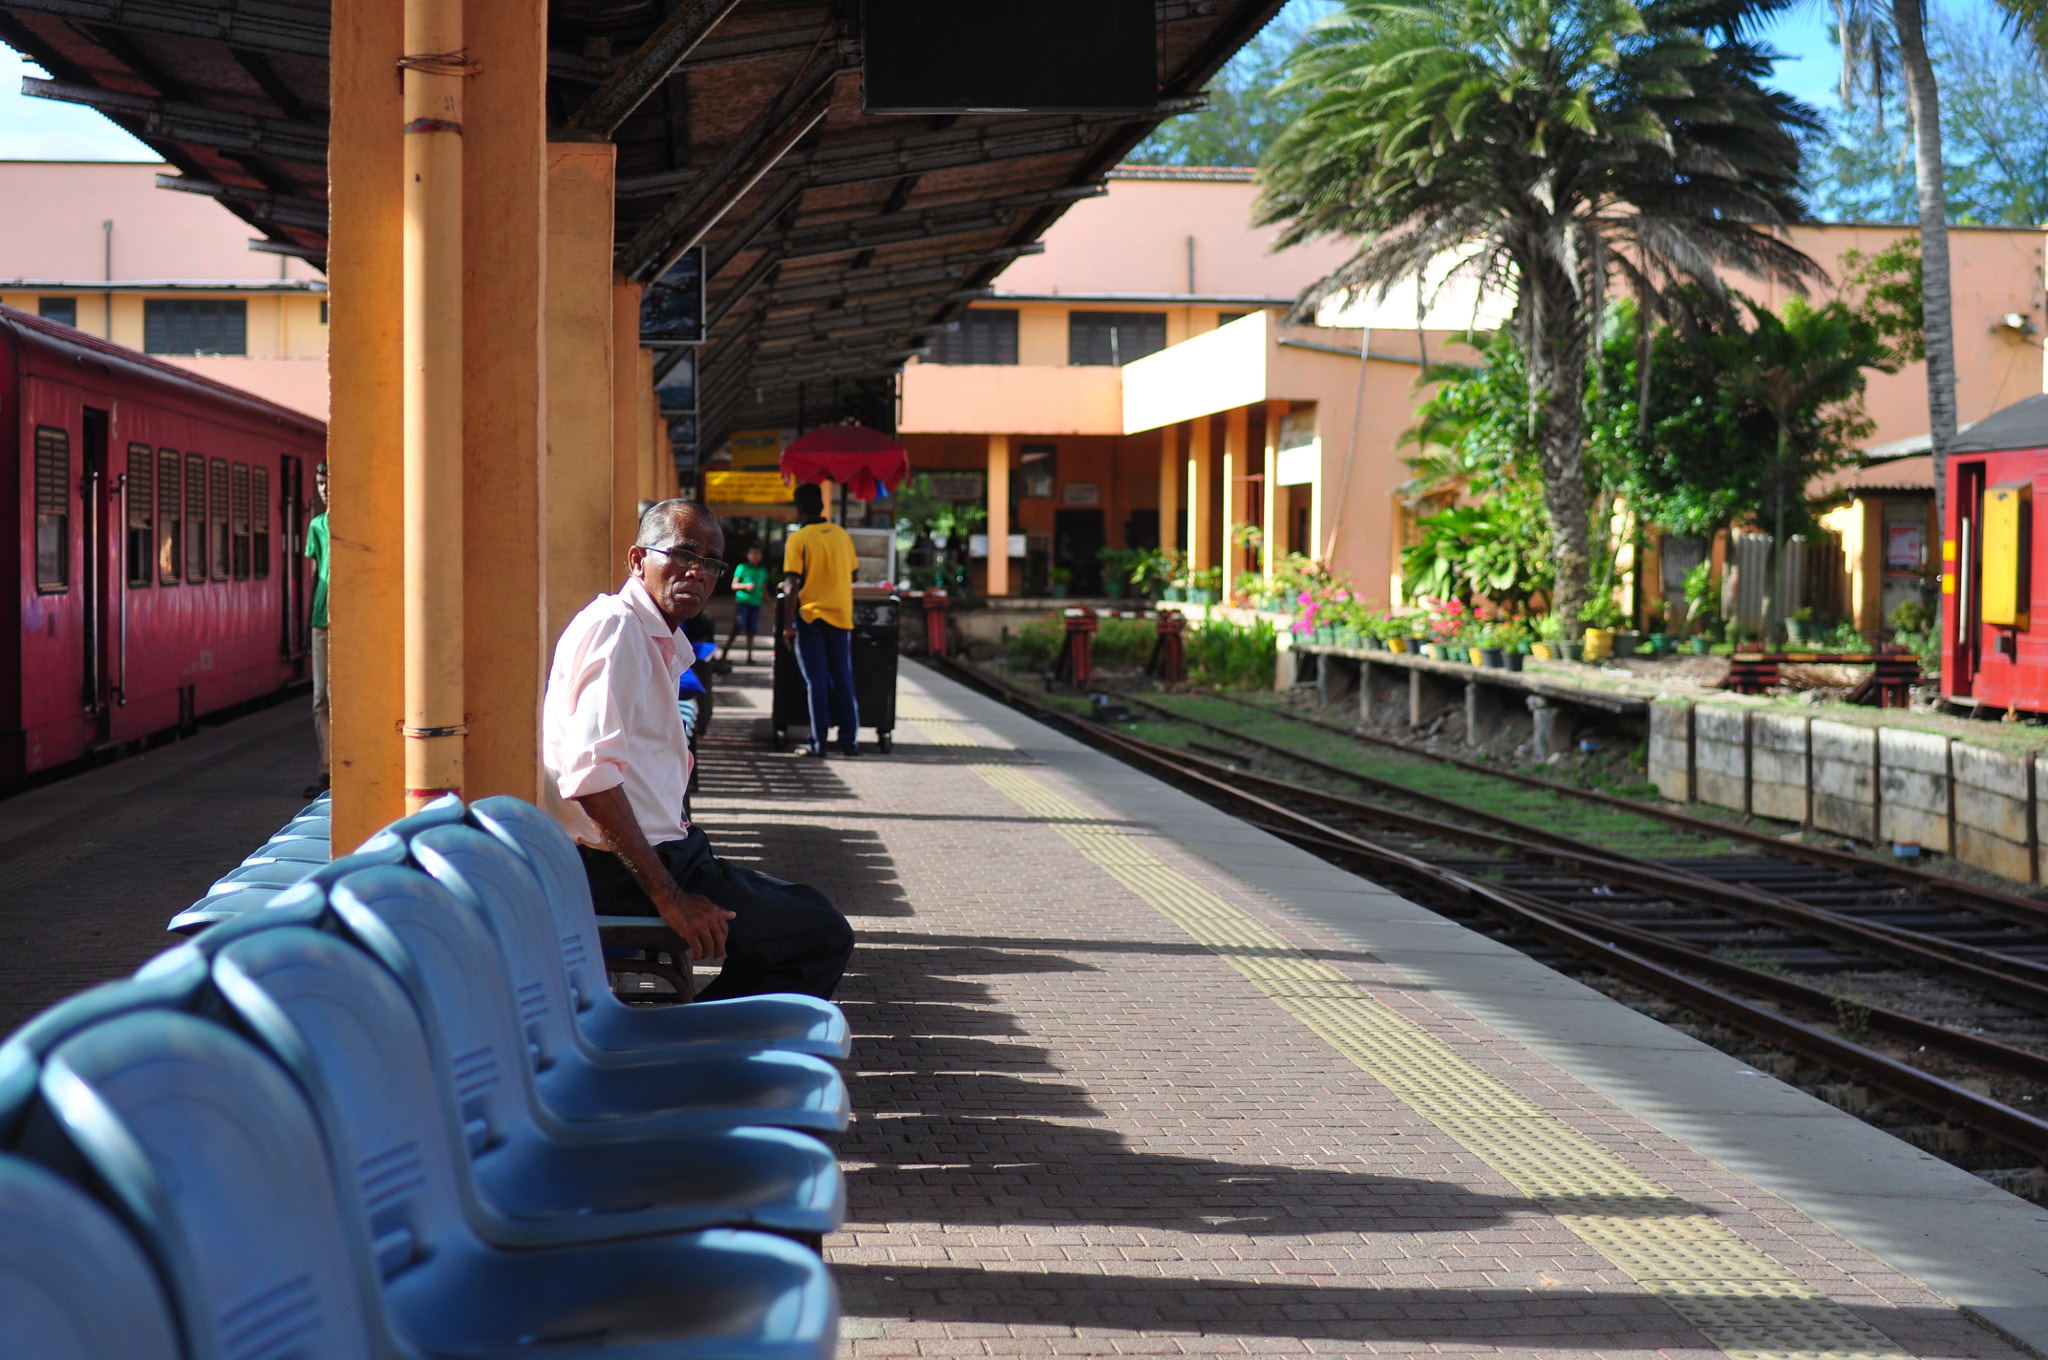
x,y
1730,1291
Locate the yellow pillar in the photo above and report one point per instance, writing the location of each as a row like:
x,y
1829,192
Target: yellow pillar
x,y
1236,463
366,666
998,515
504,416
578,496
1269,491
626,414
1169,487
1201,498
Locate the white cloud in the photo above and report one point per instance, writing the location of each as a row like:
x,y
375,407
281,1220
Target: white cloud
x,y
46,130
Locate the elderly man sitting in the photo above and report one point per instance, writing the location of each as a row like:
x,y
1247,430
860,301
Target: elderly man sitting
x,y
614,744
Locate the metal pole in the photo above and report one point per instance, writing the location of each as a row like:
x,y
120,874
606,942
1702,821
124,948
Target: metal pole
x,y
433,72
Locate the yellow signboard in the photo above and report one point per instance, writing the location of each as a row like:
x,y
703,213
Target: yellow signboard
x,y
753,450
745,488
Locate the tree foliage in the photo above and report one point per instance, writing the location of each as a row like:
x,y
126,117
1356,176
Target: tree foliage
x,y
1556,144
1244,112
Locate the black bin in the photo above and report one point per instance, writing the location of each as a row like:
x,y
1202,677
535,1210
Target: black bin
x,y
875,615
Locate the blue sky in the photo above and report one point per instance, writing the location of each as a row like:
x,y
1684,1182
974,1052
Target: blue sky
x,y
40,129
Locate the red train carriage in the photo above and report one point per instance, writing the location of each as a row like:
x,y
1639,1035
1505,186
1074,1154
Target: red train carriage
x,y
1995,651
158,576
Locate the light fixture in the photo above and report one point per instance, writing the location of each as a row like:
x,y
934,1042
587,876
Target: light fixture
x,y
2019,323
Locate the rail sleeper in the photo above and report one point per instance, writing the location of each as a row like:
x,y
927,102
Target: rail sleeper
x,y
1915,785
1777,766
1844,778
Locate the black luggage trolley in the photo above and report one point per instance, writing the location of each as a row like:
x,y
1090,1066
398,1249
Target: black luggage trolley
x,y
875,613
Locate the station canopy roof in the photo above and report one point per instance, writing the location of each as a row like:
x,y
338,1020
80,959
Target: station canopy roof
x,y
865,235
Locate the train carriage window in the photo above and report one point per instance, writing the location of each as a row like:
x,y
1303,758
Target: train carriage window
x,y
140,498
195,326
259,521
195,517
170,494
238,518
53,510
217,515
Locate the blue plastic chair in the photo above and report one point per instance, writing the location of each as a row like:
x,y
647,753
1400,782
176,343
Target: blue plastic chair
x,y
801,1024
215,908
423,933
303,849
276,1250
344,1028
172,984
73,1284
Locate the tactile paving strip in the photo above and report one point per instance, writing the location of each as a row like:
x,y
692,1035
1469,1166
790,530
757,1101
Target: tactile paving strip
x,y
1729,1291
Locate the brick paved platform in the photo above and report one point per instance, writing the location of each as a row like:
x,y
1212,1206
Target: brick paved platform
x,y
1113,1099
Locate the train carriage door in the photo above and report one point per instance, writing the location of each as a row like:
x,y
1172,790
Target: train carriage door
x,y
96,488
1967,657
291,511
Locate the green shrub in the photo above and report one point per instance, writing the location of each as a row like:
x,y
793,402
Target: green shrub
x,y
1124,642
1035,646
1118,642
1230,657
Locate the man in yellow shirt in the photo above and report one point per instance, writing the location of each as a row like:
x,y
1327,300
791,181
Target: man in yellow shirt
x,y
819,563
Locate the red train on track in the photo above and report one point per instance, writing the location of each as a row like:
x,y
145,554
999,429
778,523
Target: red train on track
x,y
158,576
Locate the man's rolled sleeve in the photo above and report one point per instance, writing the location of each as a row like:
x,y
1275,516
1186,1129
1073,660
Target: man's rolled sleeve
x,y
590,753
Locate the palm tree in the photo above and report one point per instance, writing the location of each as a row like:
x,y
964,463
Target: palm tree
x,y
1558,144
1805,369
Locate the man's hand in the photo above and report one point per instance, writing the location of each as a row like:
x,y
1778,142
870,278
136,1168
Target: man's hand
x,y
699,920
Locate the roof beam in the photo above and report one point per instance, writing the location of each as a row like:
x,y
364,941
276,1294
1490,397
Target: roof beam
x,y
848,235
286,210
778,203
172,121
684,219
912,274
654,62
301,30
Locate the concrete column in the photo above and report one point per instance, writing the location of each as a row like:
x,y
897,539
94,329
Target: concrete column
x,y
1271,525
1201,507
1368,689
1169,486
505,417
1236,464
578,493
366,612
1483,715
1415,698
998,514
627,412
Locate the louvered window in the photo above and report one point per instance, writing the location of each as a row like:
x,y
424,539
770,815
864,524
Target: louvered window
x,y
170,491
140,498
238,518
53,510
259,521
1114,337
195,326
986,335
195,517
217,496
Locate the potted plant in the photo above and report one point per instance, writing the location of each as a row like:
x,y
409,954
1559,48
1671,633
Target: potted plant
x,y
1799,624
1203,585
1060,578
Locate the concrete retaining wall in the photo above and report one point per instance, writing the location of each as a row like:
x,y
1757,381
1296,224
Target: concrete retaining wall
x,y
1875,784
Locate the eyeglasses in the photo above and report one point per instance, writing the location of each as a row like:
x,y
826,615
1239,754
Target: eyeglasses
x,y
712,569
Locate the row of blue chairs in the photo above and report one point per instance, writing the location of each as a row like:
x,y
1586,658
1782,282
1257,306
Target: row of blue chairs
x,y
392,1109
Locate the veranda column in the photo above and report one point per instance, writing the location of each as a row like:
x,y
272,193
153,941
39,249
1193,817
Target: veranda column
x,y
1272,520
998,515
505,650
366,607
1236,465
578,491
1169,486
1201,497
627,412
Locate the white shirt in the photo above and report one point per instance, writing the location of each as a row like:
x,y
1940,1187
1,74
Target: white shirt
x,y
609,718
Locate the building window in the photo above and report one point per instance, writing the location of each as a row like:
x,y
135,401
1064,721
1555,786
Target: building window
x,y
259,521
323,311
62,310
195,326
1114,338
53,510
217,507
140,498
195,517
1038,464
1225,318
980,337
170,494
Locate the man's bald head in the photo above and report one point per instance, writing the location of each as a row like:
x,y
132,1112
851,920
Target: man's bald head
x,y
669,524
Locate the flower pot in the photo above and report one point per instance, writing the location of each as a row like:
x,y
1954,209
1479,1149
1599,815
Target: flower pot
x,y
1543,651
1625,644
1326,635
1597,645
1397,644
1172,594
1795,630
1477,655
1573,651
1513,660
1113,589
1059,591
1493,658
1349,637
1201,596
1701,644
1375,644
1660,644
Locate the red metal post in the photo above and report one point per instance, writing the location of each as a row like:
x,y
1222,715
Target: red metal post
x,y
1172,650
935,622
1080,665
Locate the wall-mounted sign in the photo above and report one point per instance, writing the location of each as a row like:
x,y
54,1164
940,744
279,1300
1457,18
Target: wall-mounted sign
x,y
678,387
1903,545
954,486
1049,56
727,487
672,308
1081,493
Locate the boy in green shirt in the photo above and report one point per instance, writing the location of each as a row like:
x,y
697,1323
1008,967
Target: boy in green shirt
x,y
747,579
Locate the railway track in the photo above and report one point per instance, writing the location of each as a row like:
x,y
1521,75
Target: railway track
x,y
1944,973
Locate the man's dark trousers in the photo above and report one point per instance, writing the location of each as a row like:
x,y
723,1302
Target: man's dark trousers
x,y
825,655
784,937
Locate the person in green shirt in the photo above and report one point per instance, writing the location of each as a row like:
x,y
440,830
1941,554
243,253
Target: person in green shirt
x,y
747,580
316,551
